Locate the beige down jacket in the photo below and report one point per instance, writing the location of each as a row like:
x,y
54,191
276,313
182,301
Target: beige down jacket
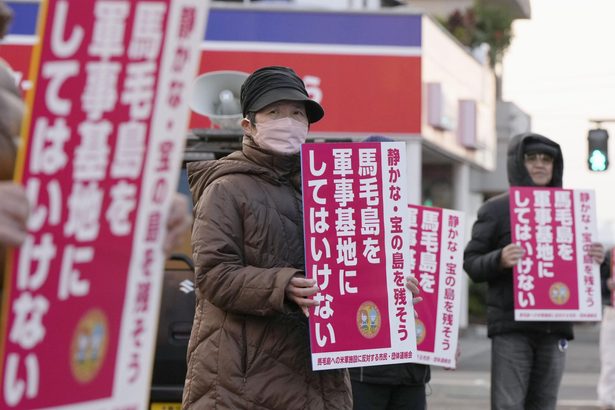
x,y
249,347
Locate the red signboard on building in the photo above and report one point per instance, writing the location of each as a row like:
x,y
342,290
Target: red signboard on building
x,y
363,67
359,93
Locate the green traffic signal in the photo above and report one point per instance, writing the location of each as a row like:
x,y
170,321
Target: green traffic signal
x,y
598,150
597,161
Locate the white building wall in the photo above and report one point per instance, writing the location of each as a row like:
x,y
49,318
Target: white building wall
x,y
414,160
511,120
462,77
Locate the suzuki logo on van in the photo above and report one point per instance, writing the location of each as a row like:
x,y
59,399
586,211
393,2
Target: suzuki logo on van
x,y
186,286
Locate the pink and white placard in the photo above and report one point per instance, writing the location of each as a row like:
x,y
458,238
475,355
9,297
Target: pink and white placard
x,y
436,260
556,279
357,249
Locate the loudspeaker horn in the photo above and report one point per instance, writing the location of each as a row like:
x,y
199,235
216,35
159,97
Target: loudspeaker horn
x,y
216,96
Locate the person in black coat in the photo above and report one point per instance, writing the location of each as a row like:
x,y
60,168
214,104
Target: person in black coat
x,y
606,283
527,358
393,386
390,387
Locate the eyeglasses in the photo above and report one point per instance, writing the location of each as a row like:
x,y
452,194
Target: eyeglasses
x,y
534,158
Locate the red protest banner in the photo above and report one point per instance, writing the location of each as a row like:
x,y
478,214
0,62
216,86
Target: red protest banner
x,y
436,259
104,139
556,278
354,199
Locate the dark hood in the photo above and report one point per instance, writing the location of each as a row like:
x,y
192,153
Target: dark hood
x,y
517,174
250,160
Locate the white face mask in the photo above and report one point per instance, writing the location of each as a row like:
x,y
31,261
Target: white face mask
x,y
284,135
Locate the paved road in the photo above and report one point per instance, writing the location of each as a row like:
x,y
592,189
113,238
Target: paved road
x,y
467,388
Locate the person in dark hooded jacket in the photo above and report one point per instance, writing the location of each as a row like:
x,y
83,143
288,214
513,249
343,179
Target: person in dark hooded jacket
x,y
527,358
606,283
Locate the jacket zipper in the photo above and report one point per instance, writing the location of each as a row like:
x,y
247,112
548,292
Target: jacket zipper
x,y
244,355
298,202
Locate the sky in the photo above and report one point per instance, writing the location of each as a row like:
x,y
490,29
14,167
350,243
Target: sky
x,y
560,69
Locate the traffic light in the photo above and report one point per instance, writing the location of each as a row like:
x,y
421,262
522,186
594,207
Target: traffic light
x,y
598,150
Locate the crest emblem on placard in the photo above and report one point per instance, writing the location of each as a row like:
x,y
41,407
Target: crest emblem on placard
x,y
368,319
559,293
89,345
421,331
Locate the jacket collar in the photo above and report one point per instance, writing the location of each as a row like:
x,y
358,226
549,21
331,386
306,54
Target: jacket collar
x,y
282,165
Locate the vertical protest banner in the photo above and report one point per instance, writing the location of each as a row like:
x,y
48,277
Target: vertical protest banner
x,y
556,278
356,247
108,114
436,260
